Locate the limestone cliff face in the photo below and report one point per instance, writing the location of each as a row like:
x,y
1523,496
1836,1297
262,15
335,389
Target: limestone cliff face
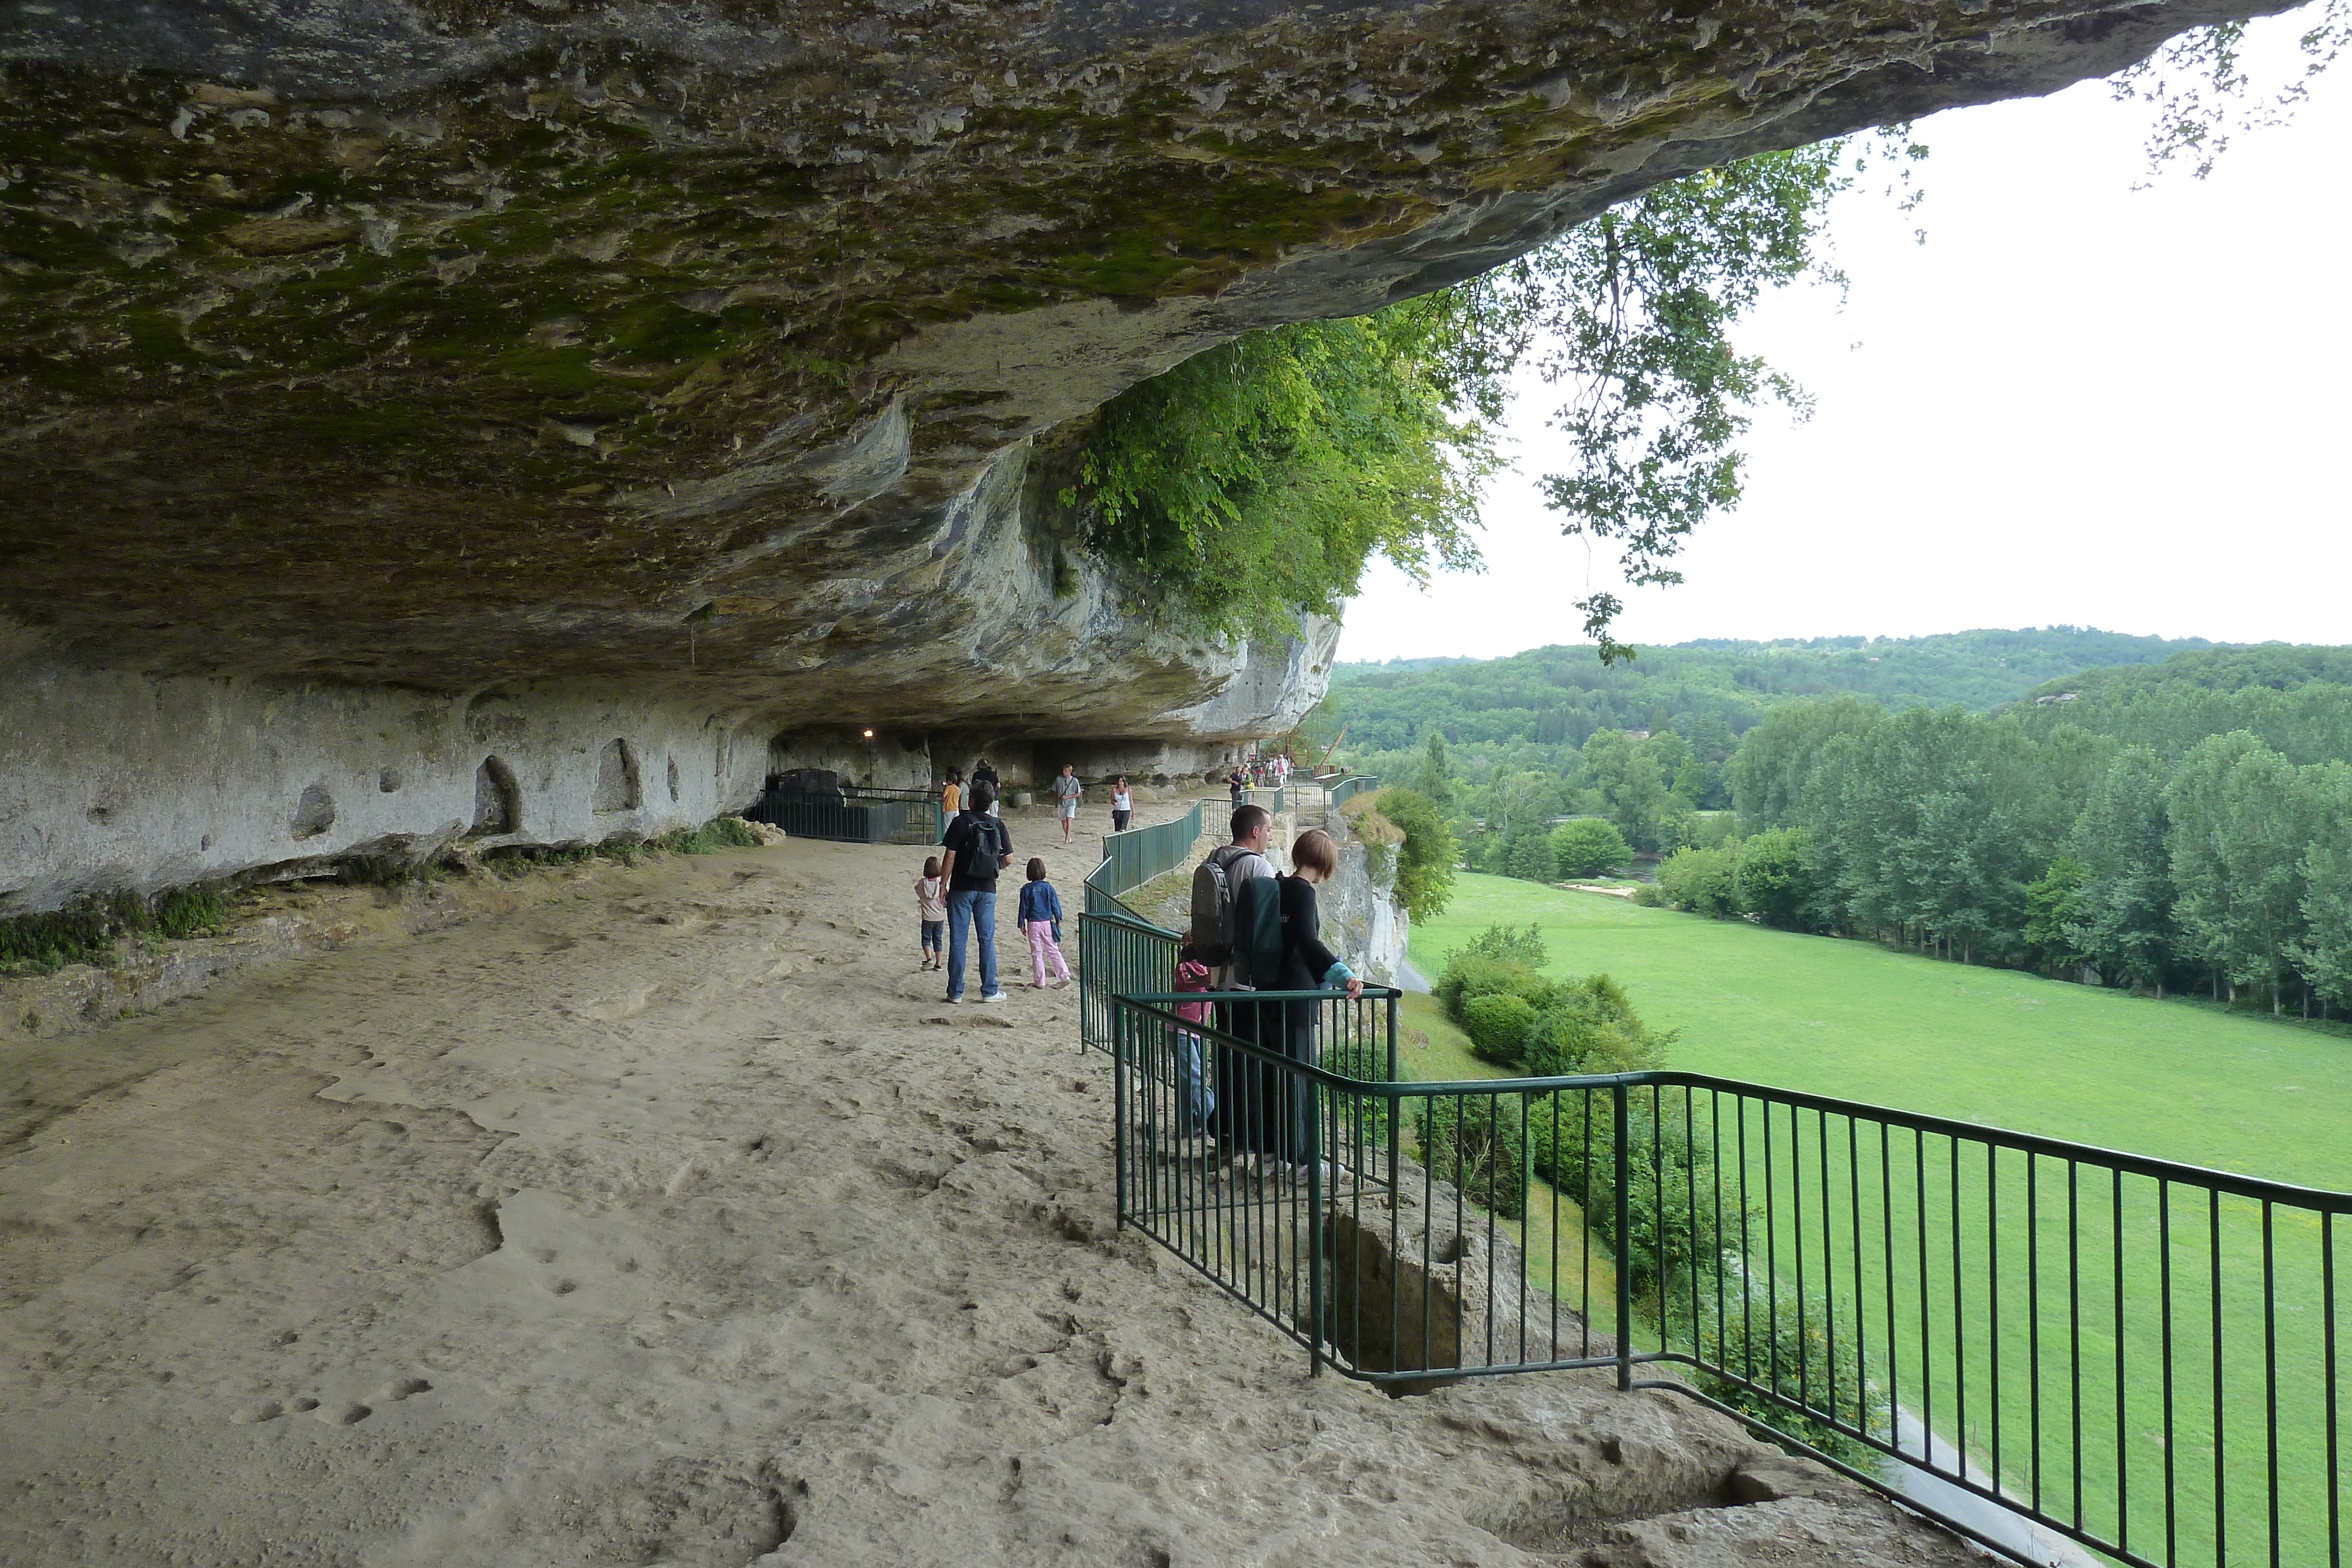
x,y
691,355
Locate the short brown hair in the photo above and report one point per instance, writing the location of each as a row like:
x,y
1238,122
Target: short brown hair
x,y
1248,820
931,866
1315,849
1037,869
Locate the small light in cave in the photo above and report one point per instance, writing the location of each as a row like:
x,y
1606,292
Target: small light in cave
x,y
869,735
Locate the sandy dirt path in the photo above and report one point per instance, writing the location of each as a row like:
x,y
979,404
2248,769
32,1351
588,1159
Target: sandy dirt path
x,y
675,1221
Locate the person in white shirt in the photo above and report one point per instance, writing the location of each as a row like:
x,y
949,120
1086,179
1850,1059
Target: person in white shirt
x,y
1122,805
1067,790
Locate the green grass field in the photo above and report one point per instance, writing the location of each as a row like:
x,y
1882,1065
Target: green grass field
x,y
2180,1080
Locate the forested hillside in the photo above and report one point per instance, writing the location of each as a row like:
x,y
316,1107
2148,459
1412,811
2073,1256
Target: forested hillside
x,y
2186,823
1562,694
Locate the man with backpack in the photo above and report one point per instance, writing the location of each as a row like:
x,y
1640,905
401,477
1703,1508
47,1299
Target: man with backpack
x,y
1236,933
978,846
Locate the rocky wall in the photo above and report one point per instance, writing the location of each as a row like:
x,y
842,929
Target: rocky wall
x,y
1361,918
126,781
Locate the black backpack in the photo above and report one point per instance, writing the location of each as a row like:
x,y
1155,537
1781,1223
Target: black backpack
x,y
989,845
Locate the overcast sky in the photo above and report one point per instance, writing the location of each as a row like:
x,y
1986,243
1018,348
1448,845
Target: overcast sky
x,y
2077,402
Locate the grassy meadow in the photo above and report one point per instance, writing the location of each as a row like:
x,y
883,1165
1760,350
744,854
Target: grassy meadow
x,y
2180,1080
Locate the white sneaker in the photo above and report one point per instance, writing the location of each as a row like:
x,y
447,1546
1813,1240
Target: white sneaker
x,y
996,997
955,1001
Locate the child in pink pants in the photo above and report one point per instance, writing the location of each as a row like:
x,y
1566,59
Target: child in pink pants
x,y
1041,921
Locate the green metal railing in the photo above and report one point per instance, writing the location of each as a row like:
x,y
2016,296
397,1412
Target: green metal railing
x,y
1348,788
1119,950
1133,858
2139,1356
857,816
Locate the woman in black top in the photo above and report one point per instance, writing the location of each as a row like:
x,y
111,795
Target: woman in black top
x,y
1262,1107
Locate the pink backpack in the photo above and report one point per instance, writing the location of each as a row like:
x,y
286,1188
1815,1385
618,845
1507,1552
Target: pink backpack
x,y
1192,975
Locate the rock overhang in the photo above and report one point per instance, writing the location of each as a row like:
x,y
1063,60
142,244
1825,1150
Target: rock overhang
x,y
698,349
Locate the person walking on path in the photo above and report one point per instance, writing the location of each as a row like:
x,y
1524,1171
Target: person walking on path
x,y
1122,805
1041,921
1067,790
1237,785
978,846
951,796
931,909
982,773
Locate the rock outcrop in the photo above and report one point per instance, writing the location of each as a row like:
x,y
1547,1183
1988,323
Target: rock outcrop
x,y
694,356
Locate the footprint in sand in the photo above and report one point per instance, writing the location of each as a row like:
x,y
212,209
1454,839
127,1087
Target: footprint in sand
x,y
345,1412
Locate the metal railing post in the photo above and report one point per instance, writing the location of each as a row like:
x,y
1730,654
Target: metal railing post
x,y
1119,1036
1624,1238
1315,1226
1396,1108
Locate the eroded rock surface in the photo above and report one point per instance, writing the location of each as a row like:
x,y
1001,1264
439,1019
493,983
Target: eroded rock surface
x,y
699,345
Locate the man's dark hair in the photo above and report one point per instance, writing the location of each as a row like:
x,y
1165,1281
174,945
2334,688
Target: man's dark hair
x,y
984,796
1248,820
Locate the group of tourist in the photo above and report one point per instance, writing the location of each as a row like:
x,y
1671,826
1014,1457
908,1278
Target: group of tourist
x,y
1253,929
1258,773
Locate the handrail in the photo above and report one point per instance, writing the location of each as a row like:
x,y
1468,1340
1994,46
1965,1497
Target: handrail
x,y
2138,1354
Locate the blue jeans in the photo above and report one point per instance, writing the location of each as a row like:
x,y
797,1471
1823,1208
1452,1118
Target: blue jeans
x,y
972,907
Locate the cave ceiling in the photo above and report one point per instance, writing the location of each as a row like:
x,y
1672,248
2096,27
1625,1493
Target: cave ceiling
x,y
452,342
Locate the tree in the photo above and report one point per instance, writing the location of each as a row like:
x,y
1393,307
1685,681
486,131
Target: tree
x,y
1632,793
1528,853
2325,952
2052,903
1250,484
1774,884
1434,778
1631,312
1769,772
1704,882
2121,915
2240,821
1588,846
1424,880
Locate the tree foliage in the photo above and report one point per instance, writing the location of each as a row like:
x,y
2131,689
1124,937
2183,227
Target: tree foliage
x,y
1631,314
1252,484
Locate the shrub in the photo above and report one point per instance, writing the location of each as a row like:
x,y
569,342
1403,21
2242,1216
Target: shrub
x,y
1704,882
1761,1334
1588,846
1591,1028
1497,1026
1527,855
191,912
1644,895
1473,1141
1775,884
1672,1228
86,930
718,833
1424,879
1508,943
1473,975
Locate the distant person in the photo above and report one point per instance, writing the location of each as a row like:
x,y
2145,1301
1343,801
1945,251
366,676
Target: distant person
x,y
978,846
931,909
1237,785
982,773
951,796
1122,805
1041,921
1067,790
